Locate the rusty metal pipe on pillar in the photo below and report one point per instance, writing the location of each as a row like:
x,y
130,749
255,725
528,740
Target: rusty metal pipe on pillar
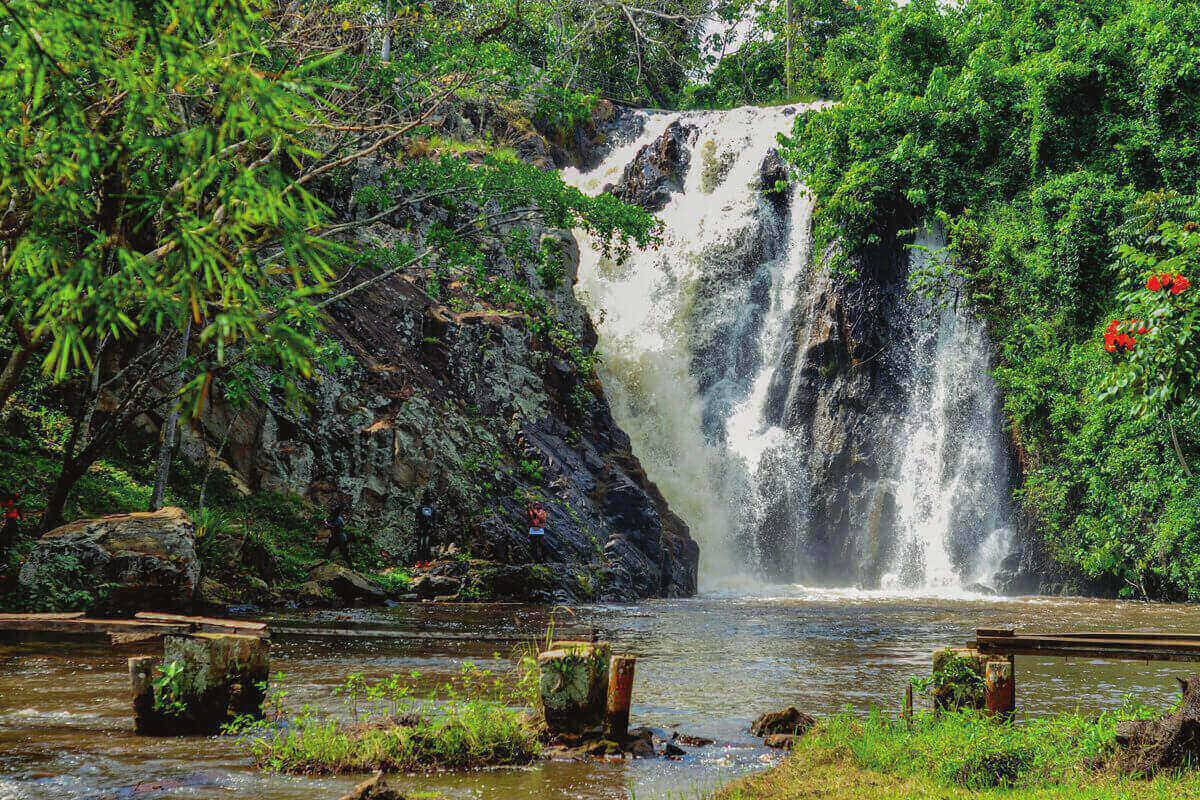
x,y
1000,689
620,697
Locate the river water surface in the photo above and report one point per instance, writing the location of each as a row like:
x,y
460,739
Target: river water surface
x,y
706,666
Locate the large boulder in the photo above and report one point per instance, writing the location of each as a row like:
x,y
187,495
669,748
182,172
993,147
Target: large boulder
x,y
657,170
124,562
345,584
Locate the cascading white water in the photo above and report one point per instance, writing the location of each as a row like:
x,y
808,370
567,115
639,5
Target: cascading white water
x,y
951,477
692,333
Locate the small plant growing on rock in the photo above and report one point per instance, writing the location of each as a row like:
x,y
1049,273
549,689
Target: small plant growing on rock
x,y
170,689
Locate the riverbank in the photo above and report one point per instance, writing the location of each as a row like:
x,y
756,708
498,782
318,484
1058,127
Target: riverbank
x,y
961,755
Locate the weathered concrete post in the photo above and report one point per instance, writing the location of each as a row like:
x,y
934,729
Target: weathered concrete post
x,y
205,680
964,690
574,685
1001,689
141,679
620,698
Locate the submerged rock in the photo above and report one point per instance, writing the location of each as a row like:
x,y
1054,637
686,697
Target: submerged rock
x,y
127,562
788,721
376,788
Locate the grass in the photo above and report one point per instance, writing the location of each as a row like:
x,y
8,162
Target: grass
x,y
958,755
476,721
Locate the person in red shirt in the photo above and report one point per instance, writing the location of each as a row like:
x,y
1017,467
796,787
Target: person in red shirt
x,y
537,530
8,528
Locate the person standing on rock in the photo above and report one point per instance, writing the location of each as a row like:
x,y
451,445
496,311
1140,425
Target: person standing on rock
x,y
425,526
537,531
338,539
12,519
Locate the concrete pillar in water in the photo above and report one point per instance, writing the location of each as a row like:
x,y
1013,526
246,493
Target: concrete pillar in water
x,y
963,671
204,681
574,685
1001,689
620,697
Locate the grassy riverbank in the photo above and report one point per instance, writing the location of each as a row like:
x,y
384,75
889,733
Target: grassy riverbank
x,y
958,756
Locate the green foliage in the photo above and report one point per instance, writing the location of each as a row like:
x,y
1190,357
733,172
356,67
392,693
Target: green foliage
x,y
141,158
392,581
62,583
1043,137
171,689
825,33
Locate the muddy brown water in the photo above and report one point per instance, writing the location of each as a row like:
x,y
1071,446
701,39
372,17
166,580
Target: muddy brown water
x,y
706,666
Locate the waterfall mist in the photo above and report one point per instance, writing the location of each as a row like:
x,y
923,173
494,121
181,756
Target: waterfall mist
x,y
721,360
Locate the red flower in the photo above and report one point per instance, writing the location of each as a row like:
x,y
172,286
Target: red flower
x,y
1180,285
1153,285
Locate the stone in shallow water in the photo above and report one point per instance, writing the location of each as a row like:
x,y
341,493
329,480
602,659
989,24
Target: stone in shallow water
x,y
788,721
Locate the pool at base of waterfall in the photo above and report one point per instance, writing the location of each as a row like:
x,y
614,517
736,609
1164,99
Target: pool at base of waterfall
x,y
706,667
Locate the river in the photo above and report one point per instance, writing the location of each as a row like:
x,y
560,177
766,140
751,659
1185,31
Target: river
x,y
706,666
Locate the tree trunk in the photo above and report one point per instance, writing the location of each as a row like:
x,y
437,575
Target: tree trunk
x,y
212,459
167,444
387,33
787,63
1178,450
70,474
11,376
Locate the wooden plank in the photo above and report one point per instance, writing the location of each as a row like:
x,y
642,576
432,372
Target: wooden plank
x,y
1139,635
34,617
207,624
84,626
1128,649
434,636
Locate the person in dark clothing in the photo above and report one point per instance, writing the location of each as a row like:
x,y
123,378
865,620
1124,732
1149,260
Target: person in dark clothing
x,y
338,539
10,524
537,531
427,519
12,516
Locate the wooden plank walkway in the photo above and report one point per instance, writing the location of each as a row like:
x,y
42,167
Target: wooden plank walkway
x,y
146,623
151,624
1113,645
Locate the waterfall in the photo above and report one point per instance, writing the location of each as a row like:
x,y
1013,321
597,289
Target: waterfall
x,y
706,344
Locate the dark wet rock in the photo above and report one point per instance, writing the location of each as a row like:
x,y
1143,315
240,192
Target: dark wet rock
x,y
641,748
673,751
692,741
772,170
312,594
790,721
346,584
131,561
427,587
658,169
979,588
780,741
376,788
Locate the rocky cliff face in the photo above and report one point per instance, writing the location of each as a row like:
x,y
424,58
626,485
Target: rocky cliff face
x,y
840,385
468,408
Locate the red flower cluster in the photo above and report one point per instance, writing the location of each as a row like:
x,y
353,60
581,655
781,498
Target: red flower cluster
x,y
1175,284
1115,340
